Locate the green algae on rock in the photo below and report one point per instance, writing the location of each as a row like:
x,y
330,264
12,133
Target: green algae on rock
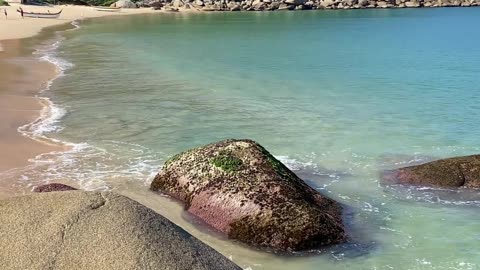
x,y
239,188
227,162
451,172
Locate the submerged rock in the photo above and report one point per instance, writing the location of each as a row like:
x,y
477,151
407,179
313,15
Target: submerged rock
x,y
53,187
450,172
92,230
240,189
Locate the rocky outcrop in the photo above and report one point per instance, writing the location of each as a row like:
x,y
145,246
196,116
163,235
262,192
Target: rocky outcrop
x,y
450,172
92,230
155,4
240,189
53,187
259,5
124,4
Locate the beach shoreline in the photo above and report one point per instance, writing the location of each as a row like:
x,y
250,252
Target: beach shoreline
x,y
17,28
27,108
23,77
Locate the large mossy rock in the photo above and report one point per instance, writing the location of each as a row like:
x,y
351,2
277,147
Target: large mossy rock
x,y
240,189
450,172
92,230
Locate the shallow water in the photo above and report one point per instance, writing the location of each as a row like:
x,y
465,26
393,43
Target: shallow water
x,y
338,96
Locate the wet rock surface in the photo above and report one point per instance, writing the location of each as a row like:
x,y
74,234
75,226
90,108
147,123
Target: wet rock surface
x,y
240,189
450,172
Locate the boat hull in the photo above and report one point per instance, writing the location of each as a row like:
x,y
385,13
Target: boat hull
x,y
40,15
108,9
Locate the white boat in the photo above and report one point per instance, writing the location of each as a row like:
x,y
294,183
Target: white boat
x,y
47,15
108,9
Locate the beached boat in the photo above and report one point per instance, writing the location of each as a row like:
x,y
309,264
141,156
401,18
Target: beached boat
x,y
47,15
108,9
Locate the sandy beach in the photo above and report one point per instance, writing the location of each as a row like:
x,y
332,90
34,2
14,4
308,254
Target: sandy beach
x,y
15,27
21,80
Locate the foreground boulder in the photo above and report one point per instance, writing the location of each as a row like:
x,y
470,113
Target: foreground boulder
x,y
450,172
53,187
240,189
92,230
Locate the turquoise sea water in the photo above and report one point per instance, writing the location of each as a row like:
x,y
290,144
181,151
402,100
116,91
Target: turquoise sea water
x,y
338,96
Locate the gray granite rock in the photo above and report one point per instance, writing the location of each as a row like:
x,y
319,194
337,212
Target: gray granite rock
x,y
92,230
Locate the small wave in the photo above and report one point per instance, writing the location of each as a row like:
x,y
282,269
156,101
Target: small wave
x,y
94,168
309,165
49,53
75,24
434,195
295,165
51,114
47,122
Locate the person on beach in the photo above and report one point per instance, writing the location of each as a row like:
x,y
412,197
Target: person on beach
x,y
5,12
21,12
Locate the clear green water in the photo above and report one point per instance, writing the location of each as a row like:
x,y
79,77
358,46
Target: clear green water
x,y
337,95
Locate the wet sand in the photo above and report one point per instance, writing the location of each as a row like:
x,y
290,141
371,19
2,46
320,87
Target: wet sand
x,y
22,78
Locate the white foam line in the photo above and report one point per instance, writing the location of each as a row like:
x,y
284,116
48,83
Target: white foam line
x,y
51,114
46,122
76,24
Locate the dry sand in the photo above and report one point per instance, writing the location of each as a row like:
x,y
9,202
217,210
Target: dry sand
x,y
15,27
